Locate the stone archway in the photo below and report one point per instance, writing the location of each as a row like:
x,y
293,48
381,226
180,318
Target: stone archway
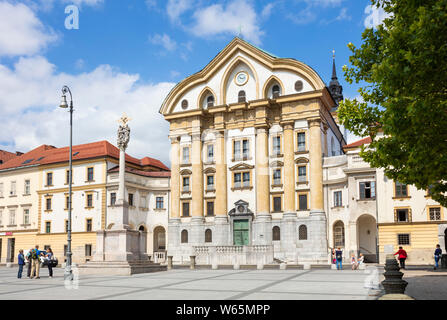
x,y
367,237
159,239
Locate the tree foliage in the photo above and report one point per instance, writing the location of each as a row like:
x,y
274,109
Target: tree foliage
x,y
402,69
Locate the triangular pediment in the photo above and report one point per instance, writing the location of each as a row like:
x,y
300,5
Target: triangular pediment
x,y
241,166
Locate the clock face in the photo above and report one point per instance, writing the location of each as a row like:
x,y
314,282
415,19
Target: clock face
x,y
241,78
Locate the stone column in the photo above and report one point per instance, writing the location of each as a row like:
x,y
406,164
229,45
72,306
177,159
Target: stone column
x,y
175,178
318,221
197,232
289,169
262,233
221,220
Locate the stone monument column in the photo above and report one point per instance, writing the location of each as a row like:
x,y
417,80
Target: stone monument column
x,y
197,232
221,236
289,220
262,234
318,221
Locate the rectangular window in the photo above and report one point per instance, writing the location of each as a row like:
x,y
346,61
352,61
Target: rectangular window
x,y
401,190
277,204
210,208
185,209
403,239
159,203
185,153
237,180
302,174
402,215
337,199
237,150
245,149
48,204
435,213
277,145
27,187
301,141
210,153
89,201
13,191
88,250
66,225
186,184
67,177
277,177
246,179
302,202
367,190
210,182
12,218
49,179
48,227
112,198
26,216
89,225
65,250
131,199
90,174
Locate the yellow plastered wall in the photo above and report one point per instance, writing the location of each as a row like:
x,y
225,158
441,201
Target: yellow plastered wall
x,y
423,241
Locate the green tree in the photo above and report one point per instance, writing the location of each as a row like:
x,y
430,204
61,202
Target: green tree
x,y
402,70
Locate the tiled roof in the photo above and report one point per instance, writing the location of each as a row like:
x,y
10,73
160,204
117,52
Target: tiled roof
x,y
155,174
48,155
358,143
6,156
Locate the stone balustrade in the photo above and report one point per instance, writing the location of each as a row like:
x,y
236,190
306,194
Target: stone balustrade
x,y
234,255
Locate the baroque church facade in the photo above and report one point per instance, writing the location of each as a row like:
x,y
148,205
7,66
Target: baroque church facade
x,y
248,136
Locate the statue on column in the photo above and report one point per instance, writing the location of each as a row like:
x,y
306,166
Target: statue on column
x,y
123,141
123,132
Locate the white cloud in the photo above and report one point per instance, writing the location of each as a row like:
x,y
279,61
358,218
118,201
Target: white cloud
x,y
375,16
343,15
30,93
267,10
164,40
236,17
21,32
175,8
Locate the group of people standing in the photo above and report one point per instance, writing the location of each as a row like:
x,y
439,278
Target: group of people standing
x,y
33,259
337,259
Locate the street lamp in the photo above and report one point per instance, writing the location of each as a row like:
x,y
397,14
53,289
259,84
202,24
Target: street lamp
x,y
68,275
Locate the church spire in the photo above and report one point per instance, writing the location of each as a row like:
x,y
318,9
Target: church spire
x,y
334,86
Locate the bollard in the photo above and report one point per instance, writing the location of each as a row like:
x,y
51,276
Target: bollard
x,y
170,262
393,282
192,264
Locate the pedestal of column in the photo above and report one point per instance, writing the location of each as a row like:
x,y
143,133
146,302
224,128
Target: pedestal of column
x,y
221,235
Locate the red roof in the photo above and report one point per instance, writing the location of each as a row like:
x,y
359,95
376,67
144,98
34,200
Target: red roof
x,y
48,154
358,143
6,156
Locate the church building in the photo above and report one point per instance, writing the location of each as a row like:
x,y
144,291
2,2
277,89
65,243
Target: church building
x,y
248,136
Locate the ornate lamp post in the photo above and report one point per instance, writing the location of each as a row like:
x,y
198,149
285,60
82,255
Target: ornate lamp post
x,y
68,275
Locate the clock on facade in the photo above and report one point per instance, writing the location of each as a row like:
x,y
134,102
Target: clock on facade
x,y
241,78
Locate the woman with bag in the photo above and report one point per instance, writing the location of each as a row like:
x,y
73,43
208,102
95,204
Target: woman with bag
x,y
49,256
438,254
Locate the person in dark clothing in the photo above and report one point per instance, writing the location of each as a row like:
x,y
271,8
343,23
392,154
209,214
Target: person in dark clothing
x,y
21,260
438,255
339,258
402,256
49,257
29,263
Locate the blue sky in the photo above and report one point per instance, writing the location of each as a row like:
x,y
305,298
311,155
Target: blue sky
x,y
127,55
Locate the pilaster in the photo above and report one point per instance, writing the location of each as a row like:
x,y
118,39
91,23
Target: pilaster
x,y
175,178
289,168
221,176
197,175
262,172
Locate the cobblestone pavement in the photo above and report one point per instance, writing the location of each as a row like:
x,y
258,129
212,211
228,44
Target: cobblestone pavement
x,y
426,285
181,284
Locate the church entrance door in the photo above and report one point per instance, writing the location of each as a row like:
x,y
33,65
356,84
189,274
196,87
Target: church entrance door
x,y
241,233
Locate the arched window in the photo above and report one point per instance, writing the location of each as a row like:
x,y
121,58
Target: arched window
x,y
210,101
339,234
242,96
208,236
276,233
302,232
276,91
141,228
184,236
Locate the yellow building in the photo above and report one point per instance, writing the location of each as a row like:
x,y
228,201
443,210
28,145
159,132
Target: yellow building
x,y
248,135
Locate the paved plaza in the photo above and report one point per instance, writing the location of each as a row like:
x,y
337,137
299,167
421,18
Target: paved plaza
x,y
184,284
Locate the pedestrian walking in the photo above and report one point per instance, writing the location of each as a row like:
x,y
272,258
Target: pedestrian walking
x,y
438,255
339,258
49,256
354,263
21,260
402,256
361,259
29,263
35,257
